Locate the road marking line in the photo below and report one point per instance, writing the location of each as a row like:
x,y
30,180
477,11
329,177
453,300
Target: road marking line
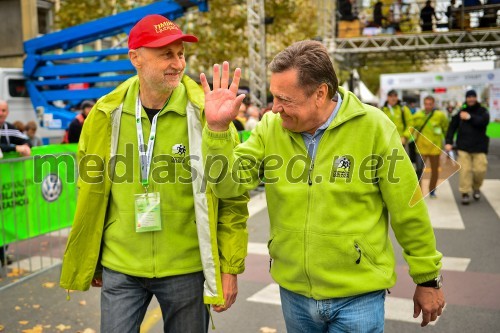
x,y
258,248
257,204
444,211
399,309
269,295
491,191
150,320
455,264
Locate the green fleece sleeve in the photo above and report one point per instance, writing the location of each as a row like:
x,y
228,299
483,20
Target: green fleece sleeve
x,y
231,172
408,212
232,234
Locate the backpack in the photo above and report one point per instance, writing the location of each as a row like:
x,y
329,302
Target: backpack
x,y
80,119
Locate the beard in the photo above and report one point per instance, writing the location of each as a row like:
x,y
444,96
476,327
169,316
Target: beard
x,y
170,83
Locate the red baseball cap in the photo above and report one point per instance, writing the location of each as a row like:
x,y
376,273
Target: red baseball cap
x,y
156,31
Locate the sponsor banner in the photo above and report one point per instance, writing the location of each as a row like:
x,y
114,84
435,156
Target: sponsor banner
x,y
495,103
437,79
38,194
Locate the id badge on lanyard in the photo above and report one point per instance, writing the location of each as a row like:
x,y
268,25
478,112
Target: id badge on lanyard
x,y
147,205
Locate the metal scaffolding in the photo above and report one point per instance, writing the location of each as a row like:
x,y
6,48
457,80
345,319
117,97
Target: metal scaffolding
x,y
257,52
448,46
461,40
327,23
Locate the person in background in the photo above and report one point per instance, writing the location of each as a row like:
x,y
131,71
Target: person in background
x,y
412,105
450,111
330,250
426,15
346,11
11,140
430,127
253,117
33,139
378,17
399,114
472,144
452,16
396,11
242,116
19,126
75,127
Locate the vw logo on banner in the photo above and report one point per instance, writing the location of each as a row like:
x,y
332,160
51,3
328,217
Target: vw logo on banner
x,y
51,187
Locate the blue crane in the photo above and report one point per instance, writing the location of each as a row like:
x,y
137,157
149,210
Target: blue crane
x,y
58,82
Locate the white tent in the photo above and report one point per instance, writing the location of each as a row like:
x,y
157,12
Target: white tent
x,y
361,90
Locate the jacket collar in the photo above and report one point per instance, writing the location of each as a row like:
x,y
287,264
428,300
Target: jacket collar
x,y
351,108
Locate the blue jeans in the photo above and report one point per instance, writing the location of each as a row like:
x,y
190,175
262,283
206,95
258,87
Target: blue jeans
x,y
125,299
356,314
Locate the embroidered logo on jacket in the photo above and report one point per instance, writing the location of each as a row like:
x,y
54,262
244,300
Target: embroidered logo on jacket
x,y
178,153
342,167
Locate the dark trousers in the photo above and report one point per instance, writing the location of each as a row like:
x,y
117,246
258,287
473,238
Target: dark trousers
x,y
125,299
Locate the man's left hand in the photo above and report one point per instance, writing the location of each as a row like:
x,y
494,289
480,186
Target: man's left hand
x,y
429,301
230,290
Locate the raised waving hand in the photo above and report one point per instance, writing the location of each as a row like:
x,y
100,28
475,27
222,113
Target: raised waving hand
x,y
222,102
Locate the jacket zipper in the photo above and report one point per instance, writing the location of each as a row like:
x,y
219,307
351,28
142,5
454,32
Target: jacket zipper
x,y
370,262
359,251
311,167
306,270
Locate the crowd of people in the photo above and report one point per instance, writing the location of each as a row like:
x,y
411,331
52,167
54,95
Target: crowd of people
x,y
403,16
428,132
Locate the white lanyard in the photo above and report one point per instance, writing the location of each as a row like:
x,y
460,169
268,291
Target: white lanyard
x,y
145,155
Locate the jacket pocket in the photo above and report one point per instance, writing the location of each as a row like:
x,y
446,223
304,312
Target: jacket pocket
x,y
366,256
286,249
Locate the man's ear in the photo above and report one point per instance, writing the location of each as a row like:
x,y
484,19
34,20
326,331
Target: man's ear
x,y
321,94
134,58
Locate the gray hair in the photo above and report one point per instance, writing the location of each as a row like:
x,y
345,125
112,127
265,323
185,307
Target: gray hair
x,y
310,58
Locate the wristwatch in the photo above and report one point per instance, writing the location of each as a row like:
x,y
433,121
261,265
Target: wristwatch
x,y
434,283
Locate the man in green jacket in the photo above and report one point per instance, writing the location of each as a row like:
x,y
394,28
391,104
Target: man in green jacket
x,y
143,213
335,170
399,114
431,126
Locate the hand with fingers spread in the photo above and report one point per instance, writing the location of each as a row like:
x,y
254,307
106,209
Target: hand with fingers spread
x,y
429,301
221,103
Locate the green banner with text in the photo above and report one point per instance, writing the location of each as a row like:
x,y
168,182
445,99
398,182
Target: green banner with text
x,y
38,194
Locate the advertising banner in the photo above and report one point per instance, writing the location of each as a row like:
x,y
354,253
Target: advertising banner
x,y
38,194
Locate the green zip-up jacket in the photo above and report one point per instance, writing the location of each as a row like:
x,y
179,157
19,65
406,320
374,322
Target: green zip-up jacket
x,y
330,219
430,139
199,231
401,117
